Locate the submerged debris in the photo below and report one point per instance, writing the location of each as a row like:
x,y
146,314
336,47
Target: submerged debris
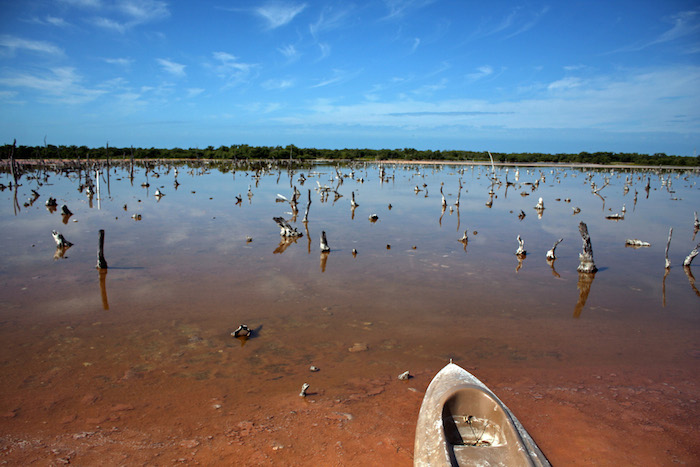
x,y
242,331
304,388
635,242
60,240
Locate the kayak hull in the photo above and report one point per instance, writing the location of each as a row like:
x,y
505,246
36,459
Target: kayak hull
x,y
462,422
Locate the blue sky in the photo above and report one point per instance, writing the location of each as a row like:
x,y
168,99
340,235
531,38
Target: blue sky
x,y
621,76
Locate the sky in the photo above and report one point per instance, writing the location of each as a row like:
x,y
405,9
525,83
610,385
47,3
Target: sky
x,y
530,76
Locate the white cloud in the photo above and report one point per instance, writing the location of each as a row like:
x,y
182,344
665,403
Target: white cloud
x,y
278,14
171,67
11,44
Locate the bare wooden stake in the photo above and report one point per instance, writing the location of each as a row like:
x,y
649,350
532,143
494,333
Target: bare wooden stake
x,y
101,263
668,243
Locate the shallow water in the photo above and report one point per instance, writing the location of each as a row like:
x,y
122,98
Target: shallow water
x,y
156,324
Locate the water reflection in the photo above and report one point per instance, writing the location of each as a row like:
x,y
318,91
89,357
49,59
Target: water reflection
x,y
691,280
585,280
103,288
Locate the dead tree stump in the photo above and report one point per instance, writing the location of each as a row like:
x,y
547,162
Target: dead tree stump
x,y
586,256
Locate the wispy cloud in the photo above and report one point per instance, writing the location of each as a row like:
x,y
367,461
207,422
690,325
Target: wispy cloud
x,y
129,14
83,3
427,89
52,21
481,72
276,84
124,62
278,14
565,84
171,67
685,24
11,44
143,11
106,23
339,76
636,101
325,50
194,92
230,69
289,51
416,43
329,19
61,85
529,22
58,22
398,8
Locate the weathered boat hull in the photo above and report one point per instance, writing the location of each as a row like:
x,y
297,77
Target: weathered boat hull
x,y
461,422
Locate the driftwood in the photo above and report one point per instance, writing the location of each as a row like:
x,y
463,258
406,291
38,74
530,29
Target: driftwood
x,y
308,205
586,263
60,240
551,253
668,244
636,243
286,230
689,259
101,263
521,247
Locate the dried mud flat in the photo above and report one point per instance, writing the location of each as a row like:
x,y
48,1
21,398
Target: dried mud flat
x,y
145,419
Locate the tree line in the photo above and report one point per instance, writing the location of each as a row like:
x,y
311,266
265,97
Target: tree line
x,y
246,152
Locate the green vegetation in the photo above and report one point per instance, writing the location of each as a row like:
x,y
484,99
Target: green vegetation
x,y
245,152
